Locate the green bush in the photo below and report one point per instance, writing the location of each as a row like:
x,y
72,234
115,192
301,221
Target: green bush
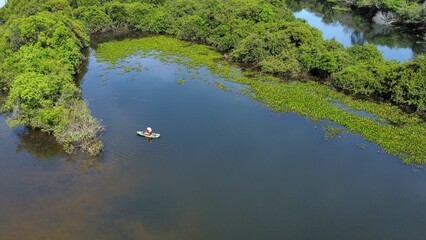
x,y
339,53
281,65
29,30
33,97
136,13
320,63
358,79
94,18
408,85
412,12
155,21
191,27
367,53
117,12
392,4
251,49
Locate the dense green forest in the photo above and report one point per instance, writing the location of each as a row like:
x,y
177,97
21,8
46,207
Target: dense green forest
x,y
41,43
40,52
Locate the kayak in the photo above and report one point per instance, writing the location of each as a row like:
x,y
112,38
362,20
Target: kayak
x,y
153,135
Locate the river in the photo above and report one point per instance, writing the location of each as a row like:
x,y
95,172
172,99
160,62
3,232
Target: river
x,y
349,29
226,167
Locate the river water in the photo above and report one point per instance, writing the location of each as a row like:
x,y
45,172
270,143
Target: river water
x,y
350,29
226,167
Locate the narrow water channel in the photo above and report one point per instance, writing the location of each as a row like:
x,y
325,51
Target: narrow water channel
x,y
350,29
226,167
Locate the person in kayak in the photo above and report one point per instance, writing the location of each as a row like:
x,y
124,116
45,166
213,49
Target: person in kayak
x,y
148,131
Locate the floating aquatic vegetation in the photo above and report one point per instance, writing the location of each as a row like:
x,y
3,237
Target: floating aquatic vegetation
x,y
181,81
222,86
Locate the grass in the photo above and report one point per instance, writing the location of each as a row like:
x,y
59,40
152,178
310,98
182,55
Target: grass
x,y
404,136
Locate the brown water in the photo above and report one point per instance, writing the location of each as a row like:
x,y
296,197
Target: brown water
x,y
226,167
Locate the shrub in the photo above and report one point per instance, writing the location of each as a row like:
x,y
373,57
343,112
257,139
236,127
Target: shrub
x,y
408,85
319,63
94,18
117,12
360,79
155,21
251,49
367,53
136,13
29,30
191,27
32,98
79,130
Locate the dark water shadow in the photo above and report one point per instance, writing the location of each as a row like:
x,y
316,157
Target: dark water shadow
x,y
43,146
39,144
116,35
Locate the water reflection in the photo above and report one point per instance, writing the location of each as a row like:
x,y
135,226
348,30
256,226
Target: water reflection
x,y
350,29
41,145
357,38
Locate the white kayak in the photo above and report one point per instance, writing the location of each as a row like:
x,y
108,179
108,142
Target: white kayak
x,y
153,135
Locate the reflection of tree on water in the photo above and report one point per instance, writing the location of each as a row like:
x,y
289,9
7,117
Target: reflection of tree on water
x,y
44,146
357,38
39,144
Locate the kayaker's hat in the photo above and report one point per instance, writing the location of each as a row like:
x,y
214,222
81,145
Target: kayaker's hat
x,y
149,129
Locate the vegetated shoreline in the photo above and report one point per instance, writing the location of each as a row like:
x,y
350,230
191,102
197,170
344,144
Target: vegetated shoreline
x,y
42,43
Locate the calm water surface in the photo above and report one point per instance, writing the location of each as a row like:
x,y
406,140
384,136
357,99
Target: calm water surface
x,y
226,167
350,30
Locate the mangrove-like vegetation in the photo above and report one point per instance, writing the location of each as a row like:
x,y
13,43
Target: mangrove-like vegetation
x,y
41,42
40,52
